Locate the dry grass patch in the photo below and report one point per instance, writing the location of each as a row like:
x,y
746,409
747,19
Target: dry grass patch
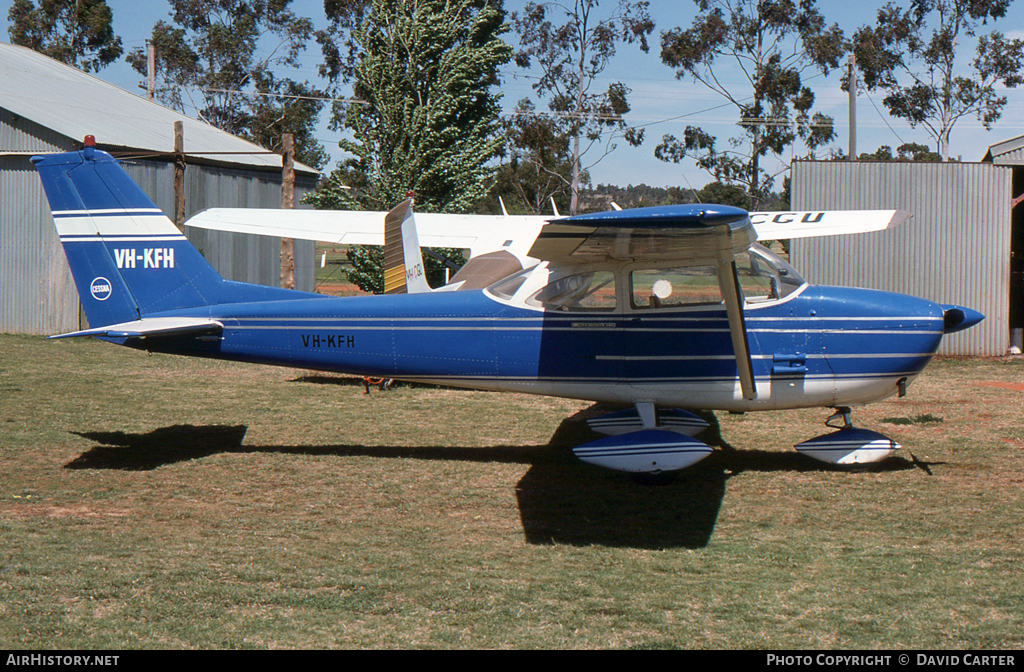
x,y
163,502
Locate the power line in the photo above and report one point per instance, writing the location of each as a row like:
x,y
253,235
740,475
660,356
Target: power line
x,y
266,94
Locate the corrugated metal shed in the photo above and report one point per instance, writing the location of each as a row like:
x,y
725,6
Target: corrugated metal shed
x,y
74,104
1006,152
956,248
46,106
236,256
1011,153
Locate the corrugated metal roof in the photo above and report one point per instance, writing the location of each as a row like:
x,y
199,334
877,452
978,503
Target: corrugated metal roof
x,y
75,104
1006,152
956,248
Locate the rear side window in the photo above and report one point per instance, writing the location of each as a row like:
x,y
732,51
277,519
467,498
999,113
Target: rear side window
x,y
507,287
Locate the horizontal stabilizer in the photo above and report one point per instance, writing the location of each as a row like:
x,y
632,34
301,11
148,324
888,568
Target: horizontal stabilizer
x,y
152,326
646,451
788,225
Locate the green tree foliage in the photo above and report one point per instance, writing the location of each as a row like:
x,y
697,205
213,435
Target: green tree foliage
x,y
221,56
536,167
602,196
770,44
572,45
76,32
425,116
908,151
912,54
721,193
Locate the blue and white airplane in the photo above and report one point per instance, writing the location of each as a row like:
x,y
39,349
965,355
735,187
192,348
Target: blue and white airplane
x,y
658,309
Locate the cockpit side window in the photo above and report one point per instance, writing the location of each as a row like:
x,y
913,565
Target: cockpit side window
x,y
592,291
656,288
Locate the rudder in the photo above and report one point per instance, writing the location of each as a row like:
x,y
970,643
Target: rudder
x,y
127,258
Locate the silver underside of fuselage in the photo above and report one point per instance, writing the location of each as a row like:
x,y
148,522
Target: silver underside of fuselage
x,y
724,395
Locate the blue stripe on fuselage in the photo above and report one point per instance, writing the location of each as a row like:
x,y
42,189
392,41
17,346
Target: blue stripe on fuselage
x,y
466,335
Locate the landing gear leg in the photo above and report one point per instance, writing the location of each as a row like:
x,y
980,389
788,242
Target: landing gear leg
x,y
842,413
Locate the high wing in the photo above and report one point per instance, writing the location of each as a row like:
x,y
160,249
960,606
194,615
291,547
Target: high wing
x,y
788,225
712,233
481,234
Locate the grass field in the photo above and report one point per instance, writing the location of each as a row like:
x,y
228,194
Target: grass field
x,y
159,502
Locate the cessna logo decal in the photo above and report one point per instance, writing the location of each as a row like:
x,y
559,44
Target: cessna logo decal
x,y
100,289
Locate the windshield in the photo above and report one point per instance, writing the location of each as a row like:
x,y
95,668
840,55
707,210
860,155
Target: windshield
x,y
764,276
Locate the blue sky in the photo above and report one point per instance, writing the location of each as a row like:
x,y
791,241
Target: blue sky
x,y
659,101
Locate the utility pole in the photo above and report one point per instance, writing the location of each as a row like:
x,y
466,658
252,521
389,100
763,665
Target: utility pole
x,y
179,176
150,69
853,106
287,203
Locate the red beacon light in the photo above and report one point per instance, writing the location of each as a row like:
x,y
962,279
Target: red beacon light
x,y
89,147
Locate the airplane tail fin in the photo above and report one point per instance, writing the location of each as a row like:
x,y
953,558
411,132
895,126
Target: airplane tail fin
x,y
127,258
403,261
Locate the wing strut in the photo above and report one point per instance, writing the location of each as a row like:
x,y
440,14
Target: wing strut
x,y
733,296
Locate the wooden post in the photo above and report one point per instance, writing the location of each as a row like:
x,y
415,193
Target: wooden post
x,y
852,62
150,69
179,176
287,202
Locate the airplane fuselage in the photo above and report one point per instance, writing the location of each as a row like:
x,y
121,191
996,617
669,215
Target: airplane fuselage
x,y
820,346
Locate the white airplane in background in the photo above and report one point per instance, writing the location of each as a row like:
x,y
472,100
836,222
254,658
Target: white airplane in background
x,y
503,241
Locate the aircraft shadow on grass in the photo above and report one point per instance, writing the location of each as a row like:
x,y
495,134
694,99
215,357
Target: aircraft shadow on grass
x,y
561,500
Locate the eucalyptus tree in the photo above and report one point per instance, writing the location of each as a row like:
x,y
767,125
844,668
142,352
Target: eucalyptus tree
x,y
571,44
915,54
755,54
536,167
76,32
225,59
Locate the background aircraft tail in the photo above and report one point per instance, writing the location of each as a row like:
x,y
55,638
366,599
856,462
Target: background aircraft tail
x,y
128,259
403,260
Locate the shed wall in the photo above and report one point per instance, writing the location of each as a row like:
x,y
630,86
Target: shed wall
x,y
37,292
955,249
